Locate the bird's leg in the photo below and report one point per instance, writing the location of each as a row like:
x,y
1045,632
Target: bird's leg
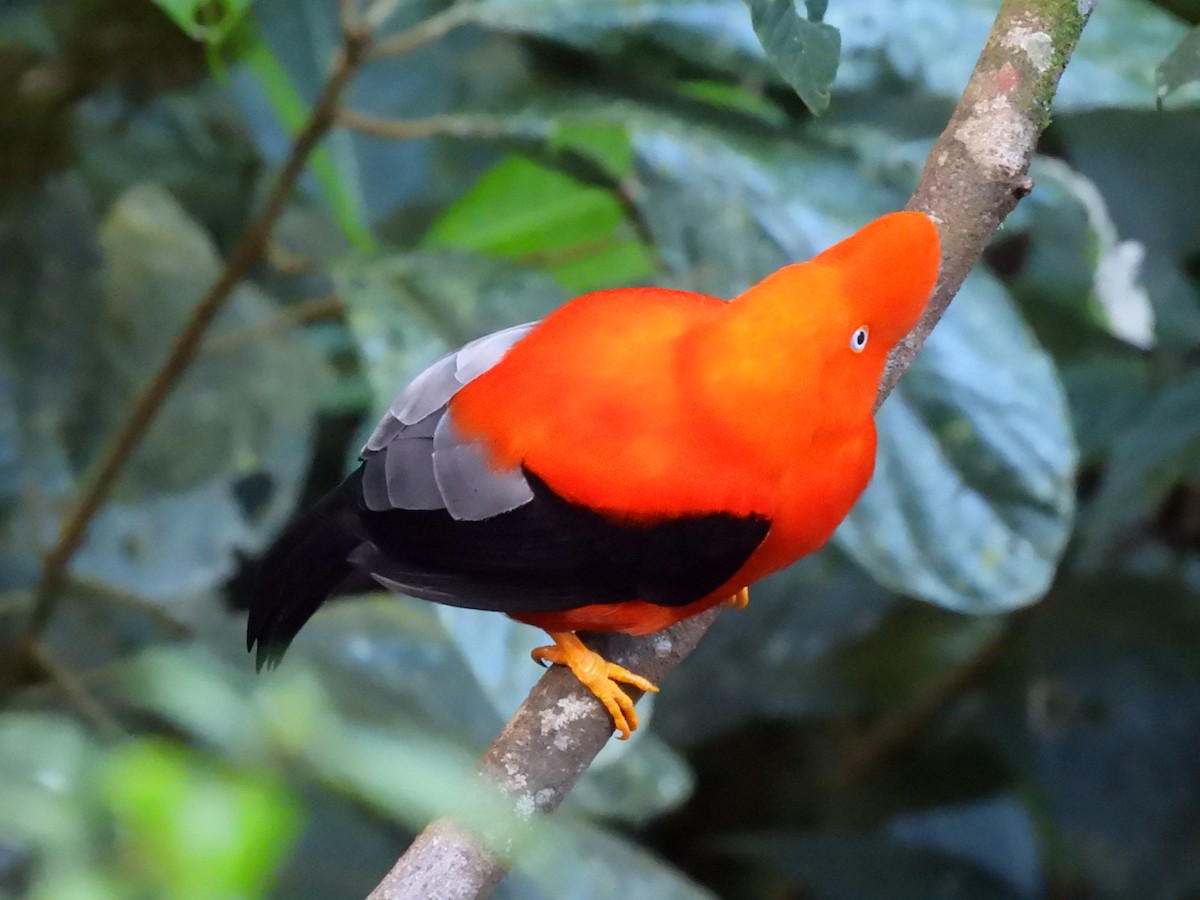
x,y
598,675
740,600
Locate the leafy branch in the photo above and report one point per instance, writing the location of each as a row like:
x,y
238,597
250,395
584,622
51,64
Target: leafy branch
x,y
974,176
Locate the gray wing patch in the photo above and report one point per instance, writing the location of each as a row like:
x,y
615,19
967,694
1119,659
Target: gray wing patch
x,y
471,489
433,388
481,354
414,459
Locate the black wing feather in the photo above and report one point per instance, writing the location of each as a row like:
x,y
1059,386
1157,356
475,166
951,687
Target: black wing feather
x,y
544,556
550,555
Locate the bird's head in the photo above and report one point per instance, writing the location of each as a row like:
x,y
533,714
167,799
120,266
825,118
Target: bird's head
x,y
885,273
816,335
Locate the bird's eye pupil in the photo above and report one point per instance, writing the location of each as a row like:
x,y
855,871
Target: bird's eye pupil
x,y
858,340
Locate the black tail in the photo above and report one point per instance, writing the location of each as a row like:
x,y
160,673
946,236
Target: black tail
x,y
299,572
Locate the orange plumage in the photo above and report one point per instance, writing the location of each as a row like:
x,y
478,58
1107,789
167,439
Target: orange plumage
x,y
635,458
648,403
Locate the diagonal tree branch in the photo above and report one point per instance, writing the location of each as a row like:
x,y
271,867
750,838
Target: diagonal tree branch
x,y
973,178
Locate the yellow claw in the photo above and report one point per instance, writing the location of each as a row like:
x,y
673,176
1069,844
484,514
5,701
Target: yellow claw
x,y
740,600
598,675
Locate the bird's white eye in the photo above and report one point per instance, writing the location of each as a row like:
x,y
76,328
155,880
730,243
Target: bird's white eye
x,y
858,340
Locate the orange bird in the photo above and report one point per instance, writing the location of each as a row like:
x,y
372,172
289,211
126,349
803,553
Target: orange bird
x,y
633,459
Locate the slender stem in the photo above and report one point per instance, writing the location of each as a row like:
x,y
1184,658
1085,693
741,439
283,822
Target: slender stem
x,y
77,694
422,33
974,176
249,249
326,307
414,129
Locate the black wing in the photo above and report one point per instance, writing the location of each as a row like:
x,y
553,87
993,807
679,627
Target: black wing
x,y
549,554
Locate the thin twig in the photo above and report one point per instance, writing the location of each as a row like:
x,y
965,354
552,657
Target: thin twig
x,y
311,310
974,176
77,694
415,129
422,33
249,249
158,613
893,734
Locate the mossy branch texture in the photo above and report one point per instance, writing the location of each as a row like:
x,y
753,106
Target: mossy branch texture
x,y
974,176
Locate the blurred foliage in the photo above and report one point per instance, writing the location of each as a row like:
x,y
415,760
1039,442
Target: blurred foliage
x,y
837,739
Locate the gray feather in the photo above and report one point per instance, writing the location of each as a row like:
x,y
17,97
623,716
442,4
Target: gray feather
x,y
470,489
410,480
374,484
431,389
415,460
387,429
480,355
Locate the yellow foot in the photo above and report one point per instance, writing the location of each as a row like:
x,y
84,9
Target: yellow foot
x,y
598,675
740,600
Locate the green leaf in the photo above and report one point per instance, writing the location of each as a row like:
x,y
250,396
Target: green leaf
x,y
735,98
714,33
1159,448
1182,66
973,494
210,478
193,830
605,144
210,21
804,51
528,212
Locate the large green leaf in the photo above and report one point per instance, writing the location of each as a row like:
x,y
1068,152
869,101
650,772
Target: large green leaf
x,y
1158,449
525,211
205,20
211,478
715,32
804,51
973,495
1180,67
195,830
